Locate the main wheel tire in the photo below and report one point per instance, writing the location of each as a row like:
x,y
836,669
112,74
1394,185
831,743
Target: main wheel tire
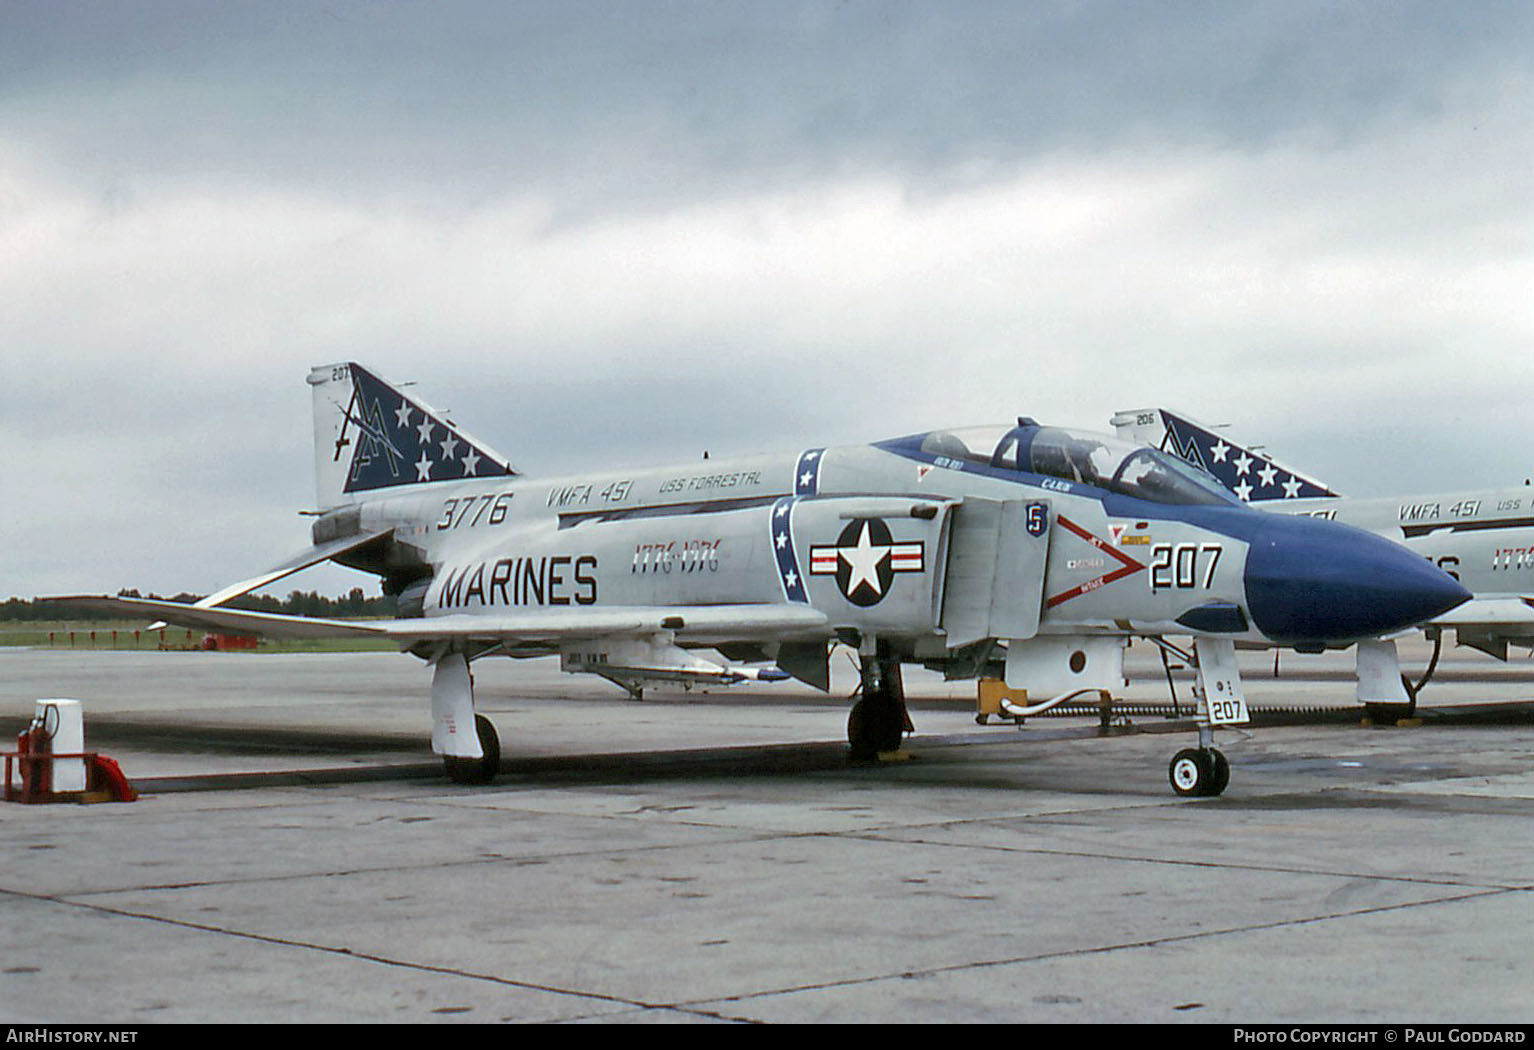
x,y
1389,714
874,724
480,770
1384,714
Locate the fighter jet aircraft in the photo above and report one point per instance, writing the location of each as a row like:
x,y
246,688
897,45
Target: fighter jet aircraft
x,y
1484,539
1020,550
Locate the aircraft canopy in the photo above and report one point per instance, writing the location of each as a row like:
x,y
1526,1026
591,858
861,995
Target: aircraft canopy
x,y
1099,460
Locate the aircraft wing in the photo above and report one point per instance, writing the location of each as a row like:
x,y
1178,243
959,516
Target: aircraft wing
x,y
1491,624
702,623
1505,612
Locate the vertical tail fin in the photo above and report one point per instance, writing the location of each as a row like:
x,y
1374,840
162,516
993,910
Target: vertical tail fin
x,y
369,436
1252,476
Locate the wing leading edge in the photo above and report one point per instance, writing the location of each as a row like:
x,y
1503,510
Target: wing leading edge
x,y
706,623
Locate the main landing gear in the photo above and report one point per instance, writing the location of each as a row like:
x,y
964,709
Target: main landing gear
x,y
468,758
878,721
479,770
1388,696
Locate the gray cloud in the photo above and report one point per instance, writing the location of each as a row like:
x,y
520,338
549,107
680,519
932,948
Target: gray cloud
x,y
661,98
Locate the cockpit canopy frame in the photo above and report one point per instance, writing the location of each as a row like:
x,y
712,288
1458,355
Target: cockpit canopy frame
x,y
1080,457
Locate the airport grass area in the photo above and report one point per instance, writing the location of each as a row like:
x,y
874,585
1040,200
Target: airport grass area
x,y
131,635
41,623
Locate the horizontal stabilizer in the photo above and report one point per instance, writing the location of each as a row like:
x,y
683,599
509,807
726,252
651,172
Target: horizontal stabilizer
x,y
302,560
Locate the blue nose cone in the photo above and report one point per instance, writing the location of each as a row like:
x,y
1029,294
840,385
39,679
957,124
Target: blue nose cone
x,y
1311,581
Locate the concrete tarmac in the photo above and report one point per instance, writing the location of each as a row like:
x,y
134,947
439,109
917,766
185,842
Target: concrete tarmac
x,y
296,854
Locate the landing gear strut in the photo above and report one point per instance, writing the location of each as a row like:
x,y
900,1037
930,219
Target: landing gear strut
x,y
467,760
1204,771
1388,696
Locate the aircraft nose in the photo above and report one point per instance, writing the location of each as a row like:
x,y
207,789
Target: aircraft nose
x,y
1313,581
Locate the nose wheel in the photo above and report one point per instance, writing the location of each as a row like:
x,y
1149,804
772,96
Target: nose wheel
x,y
1199,772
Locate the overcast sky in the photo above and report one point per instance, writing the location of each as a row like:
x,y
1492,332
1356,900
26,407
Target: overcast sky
x,y
624,232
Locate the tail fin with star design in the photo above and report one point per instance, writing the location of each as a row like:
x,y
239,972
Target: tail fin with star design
x,y
1250,474
369,436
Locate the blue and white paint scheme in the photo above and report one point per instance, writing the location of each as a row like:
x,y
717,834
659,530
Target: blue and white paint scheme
x,y
1483,538
1246,471
1020,551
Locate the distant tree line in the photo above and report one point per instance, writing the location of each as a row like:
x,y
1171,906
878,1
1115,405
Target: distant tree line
x,y
353,605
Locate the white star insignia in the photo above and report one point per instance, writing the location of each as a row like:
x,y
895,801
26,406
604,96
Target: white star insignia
x,y
402,413
806,478
1243,464
425,430
1292,488
1268,473
1220,451
423,469
470,463
1244,492
448,446
792,579
864,561
782,541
